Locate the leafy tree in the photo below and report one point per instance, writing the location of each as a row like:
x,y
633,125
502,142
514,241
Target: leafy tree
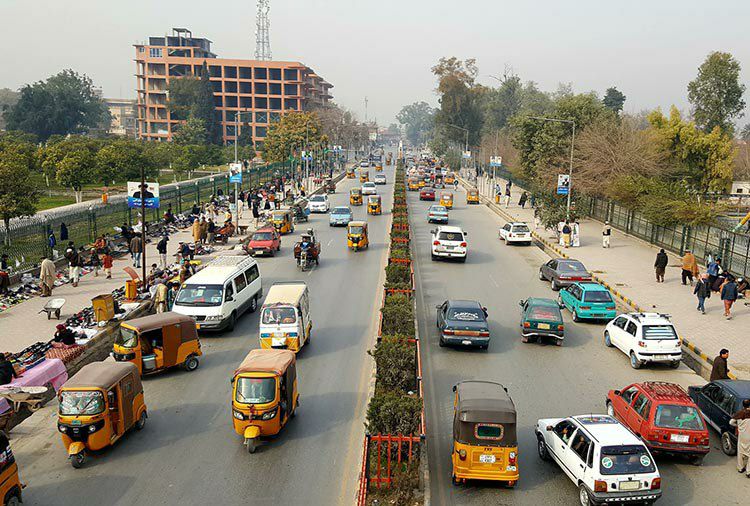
x,y
123,159
716,93
193,97
745,133
8,99
296,131
18,192
417,120
460,99
503,102
64,104
183,94
72,163
614,99
193,131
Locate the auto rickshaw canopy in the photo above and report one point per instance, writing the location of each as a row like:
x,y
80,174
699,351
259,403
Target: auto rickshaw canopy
x,y
104,375
355,224
355,191
446,196
266,360
144,324
473,192
373,199
483,402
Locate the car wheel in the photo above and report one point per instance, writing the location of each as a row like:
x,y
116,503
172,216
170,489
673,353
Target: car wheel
x,y
191,364
441,342
524,339
583,496
253,304
232,321
541,276
575,316
727,445
462,260
610,409
541,448
634,362
434,258
555,287
675,364
559,341
607,339
697,460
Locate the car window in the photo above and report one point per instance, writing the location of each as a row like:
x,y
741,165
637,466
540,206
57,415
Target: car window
x,y
518,229
673,416
240,282
569,266
631,329
506,227
628,394
642,406
581,445
228,291
465,314
659,332
552,264
620,322
564,430
712,391
252,274
451,236
597,296
626,459
726,402
546,313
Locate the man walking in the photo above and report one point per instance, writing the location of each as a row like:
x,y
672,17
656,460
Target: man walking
x,y
720,369
47,276
74,263
713,269
136,246
702,291
161,248
729,294
741,420
566,231
660,265
689,267
507,196
606,234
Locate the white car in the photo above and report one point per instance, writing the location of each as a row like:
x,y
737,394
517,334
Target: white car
x,y
380,179
608,463
645,337
369,188
515,232
364,164
319,204
448,242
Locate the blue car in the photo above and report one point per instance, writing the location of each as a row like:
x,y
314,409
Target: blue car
x,y
340,216
437,214
588,301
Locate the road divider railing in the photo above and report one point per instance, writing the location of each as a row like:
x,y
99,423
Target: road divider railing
x,y
394,456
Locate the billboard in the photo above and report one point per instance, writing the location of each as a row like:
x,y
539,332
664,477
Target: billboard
x,y
235,173
466,155
496,161
563,184
148,191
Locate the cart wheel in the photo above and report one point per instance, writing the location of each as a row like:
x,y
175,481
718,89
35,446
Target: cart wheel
x,y
191,364
252,445
57,314
78,460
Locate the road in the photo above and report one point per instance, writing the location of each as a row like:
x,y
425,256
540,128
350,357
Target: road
x,y
188,452
544,381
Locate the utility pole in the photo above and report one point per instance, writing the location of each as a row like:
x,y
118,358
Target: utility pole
x,y
144,283
365,110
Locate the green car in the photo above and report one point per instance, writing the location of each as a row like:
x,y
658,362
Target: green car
x,y
588,301
541,318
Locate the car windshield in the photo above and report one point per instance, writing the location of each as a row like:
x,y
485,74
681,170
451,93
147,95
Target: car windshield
x,y
451,236
466,314
597,296
678,417
518,229
571,267
279,315
199,295
341,210
437,209
255,390
659,332
626,459
127,338
81,402
262,236
546,313
356,229
318,198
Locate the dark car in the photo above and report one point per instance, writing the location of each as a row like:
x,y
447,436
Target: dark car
x,y
541,318
463,322
563,272
718,401
427,194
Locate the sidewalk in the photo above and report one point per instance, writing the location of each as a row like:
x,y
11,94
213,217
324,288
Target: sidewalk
x,y
627,267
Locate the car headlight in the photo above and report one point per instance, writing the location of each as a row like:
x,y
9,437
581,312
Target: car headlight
x,y
238,415
62,428
213,318
268,415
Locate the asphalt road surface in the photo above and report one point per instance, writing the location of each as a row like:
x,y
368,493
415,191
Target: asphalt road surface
x,y
188,452
544,381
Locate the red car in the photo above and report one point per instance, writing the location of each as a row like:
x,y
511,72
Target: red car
x,y
427,194
664,416
265,241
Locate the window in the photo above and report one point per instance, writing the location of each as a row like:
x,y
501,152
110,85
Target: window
x,y
216,86
274,103
465,314
141,49
626,459
255,390
83,402
274,88
214,71
261,89
252,273
291,104
290,89
552,264
218,102
246,73
260,131
642,406
155,52
240,283
279,315
230,87
274,117
230,101
230,130
597,296
228,291
261,117
246,88
493,431
631,329
678,417
726,402
712,391
291,75
620,322
230,72
199,295
659,332
581,445
246,103
261,73
628,394
261,103
274,74
564,430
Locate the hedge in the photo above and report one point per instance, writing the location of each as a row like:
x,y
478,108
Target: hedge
x,y
398,251
398,315
397,273
396,364
392,412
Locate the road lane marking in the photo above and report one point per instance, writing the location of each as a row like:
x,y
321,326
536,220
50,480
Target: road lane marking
x,y
494,282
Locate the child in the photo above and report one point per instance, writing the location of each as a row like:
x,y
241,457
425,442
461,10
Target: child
x,y
95,262
107,261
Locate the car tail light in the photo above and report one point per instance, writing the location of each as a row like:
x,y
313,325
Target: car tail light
x,y
436,243
656,484
652,436
600,486
463,244
526,325
512,458
564,277
484,333
704,441
642,344
610,308
585,307
561,327
448,332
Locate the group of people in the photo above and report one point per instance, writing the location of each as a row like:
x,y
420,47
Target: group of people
x,y
569,233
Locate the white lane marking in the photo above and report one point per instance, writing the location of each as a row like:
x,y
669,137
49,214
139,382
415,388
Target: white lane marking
x,y
329,242
494,282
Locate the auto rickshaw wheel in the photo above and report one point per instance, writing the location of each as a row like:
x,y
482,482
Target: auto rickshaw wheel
x,y
191,364
78,460
141,423
455,481
252,445
12,501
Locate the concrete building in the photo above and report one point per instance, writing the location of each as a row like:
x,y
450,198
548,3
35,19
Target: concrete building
x,y
260,90
124,116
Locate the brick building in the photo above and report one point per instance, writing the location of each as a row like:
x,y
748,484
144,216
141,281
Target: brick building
x,y
261,91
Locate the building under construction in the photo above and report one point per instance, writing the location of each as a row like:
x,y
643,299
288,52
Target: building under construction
x,y
260,90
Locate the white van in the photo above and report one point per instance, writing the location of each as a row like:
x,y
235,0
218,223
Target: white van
x,y
220,292
285,321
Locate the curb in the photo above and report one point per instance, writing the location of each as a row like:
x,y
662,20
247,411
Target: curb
x,y
702,369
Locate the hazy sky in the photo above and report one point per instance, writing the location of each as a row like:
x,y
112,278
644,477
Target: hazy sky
x,y
383,49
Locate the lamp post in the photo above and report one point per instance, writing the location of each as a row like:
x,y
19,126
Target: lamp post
x,y
236,160
570,168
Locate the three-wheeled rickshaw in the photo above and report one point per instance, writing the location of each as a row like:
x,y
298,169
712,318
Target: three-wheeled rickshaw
x,y
10,484
446,199
282,221
374,205
364,176
264,394
356,235
472,196
300,211
330,186
307,250
350,173
484,433
159,341
378,168
355,196
449,178
98,405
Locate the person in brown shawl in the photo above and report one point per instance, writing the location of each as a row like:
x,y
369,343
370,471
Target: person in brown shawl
x,y
741,420
47,276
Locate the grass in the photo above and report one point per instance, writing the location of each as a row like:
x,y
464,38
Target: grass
x,y
49,202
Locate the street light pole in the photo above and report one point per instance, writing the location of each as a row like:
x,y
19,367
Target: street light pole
x,y
570,168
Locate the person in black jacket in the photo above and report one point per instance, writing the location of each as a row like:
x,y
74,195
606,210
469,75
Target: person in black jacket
x,y
7,372
161,248
702,290
660,265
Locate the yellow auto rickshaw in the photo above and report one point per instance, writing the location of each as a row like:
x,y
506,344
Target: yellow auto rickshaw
x,y
413,184
484,433
472,196
264,394
421,183
356,235
282,221
446,199
364,176
98,405
378,168
156,342
355,196
449,178
10,484
350,173
374,205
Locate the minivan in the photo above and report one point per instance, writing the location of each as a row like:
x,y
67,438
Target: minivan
x,y
219,293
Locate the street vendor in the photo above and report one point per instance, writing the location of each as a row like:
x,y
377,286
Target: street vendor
x,y
64,335
7,372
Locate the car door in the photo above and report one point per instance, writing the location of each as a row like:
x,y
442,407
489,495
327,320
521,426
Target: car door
x,y
706,402
577,455
615,329
628,340
548,269
229,302
504,231
558,442
726,404
441,315
638,415
625,405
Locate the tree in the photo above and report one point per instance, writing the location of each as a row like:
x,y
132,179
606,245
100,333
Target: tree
x,y
417,119
504,102
614,100
123,159
193,131
18,192
745,133
8,99
72,162
716,93
460,100
64,104
193,97
183,95
296,131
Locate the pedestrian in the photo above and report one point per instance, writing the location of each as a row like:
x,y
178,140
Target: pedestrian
x,y
741,420
172,295
606,234
455,184
660,265
161,248
136,246
204,230
702,291
507,196
107,262
720,369
51,242
74,263
689,267
532,202
729,295
160,298
64,335
523,199
7,371
196,231
210,231
566,231
63,231
575,236
95,262
47,276
713,269
184,273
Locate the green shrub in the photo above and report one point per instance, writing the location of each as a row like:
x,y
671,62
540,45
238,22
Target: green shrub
x,y
397,251
398,273
392,412
398,315
396,232
396,364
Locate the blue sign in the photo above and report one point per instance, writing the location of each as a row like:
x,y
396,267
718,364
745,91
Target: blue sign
x,y
235,173
149,191
563,184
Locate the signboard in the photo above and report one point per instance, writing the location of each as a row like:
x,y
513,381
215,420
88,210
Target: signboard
x,y
149,191
563,184
373,136
496,161
235,173
466,155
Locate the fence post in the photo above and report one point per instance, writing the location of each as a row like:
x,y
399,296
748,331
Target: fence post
x,y
367,460
179,199
198,192
93,224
